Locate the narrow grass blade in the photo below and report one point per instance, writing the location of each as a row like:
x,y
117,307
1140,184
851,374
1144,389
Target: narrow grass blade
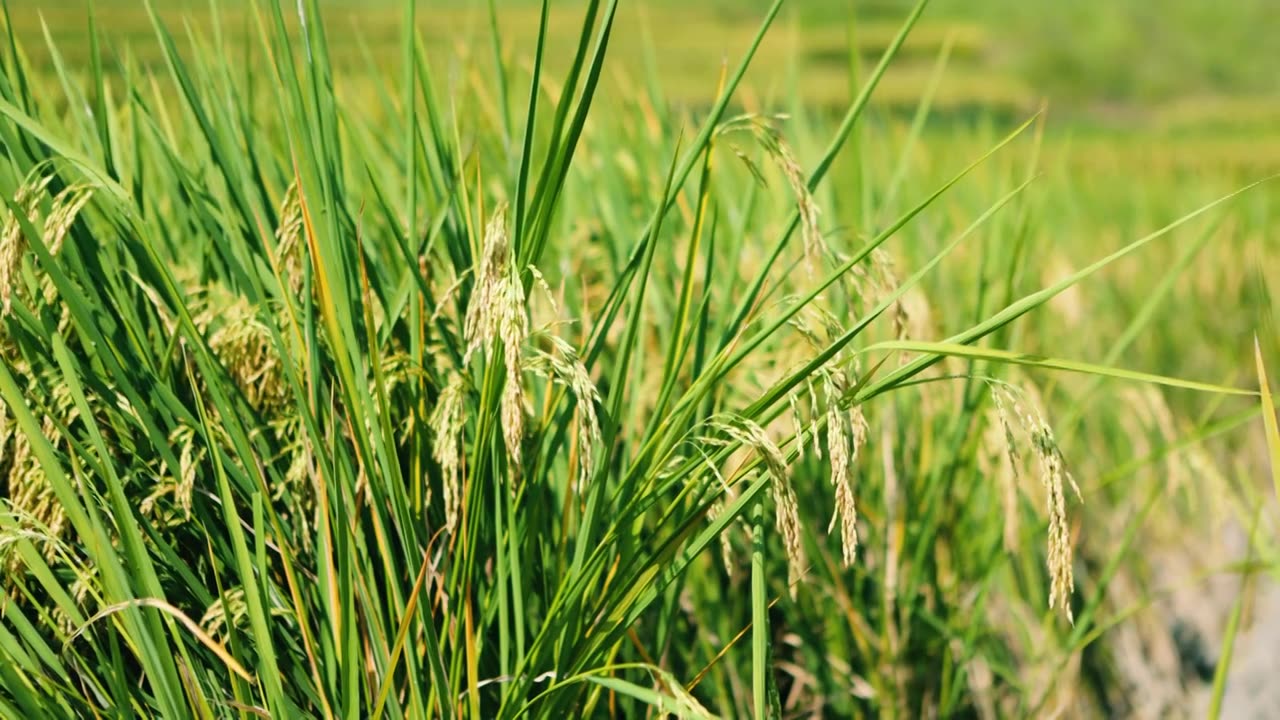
x,y
1232,631
941,349
1268,416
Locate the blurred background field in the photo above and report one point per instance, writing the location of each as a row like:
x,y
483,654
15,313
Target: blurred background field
x,y
1177,65
1182,87
1185,87
1170,64
1152,109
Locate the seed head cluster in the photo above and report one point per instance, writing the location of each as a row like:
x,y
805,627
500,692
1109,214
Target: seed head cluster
x,y
182,487
447,421
1013,411
846,435
496,314
30,495
64,208
786,506
562,365
846,428
231,610
289,246
242,342
766,134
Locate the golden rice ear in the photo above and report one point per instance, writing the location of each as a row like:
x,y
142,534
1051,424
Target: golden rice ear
x,y
289,245
846,427
182,487
838,454
888,285
846,506
30,495
786,506
784,158
66,208
481,324
726,496
563,366
497,314
540,282
1054,475
242,342
780,152
1003,424
1055,478
813,423
13,244
726,540
797,423
447,421
225,612
513,330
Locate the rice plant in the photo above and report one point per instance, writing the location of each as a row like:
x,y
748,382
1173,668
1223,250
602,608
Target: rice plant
x,y
453,391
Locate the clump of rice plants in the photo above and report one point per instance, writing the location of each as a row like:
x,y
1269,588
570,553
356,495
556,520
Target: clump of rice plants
x,y
379,394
